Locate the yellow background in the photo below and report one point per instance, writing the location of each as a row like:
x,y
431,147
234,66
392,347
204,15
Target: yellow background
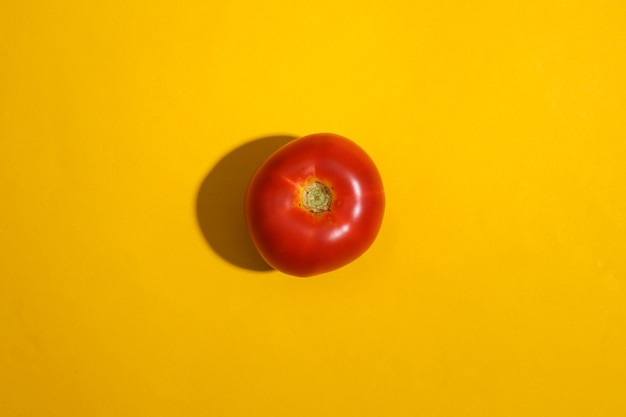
x,y
497,285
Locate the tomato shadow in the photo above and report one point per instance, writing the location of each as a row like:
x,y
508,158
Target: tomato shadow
x,y
220,200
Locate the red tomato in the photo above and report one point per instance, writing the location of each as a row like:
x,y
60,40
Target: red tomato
x,y
315,205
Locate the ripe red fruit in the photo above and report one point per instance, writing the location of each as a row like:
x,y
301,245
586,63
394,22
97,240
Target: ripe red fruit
x,y
315,205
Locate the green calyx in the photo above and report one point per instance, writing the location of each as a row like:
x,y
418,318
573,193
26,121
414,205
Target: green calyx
x,y
316,197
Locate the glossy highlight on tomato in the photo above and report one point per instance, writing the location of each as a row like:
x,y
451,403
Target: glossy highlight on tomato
x,y
315,205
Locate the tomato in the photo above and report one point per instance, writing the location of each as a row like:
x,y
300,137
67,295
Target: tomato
x,y
314,205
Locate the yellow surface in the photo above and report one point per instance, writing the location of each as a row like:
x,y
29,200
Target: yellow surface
x,y
496,286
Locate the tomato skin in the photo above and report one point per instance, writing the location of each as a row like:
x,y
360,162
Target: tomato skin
x,y
297,241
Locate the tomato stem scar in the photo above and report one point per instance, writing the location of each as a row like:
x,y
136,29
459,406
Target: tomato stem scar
x,y
316,197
